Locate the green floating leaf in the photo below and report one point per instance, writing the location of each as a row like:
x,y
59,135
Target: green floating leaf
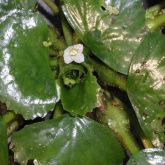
x,y
3,144
152,156
26,83
78,89
68,140
112,34
146,86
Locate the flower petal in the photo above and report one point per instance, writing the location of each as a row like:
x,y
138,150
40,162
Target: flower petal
x,y
79,48
79,58
67,58
67,50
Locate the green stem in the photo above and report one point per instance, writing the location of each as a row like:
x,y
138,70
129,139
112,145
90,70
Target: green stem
x,y
52,6
156,23
146,142
3,143
53,53
57,43
109,76
58,112
67,31
115,116
76,38
129,142
11,123
53,62
12,127
8,117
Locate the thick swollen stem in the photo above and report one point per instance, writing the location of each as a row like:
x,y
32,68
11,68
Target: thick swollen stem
x,y
109,76
116,118
128,141
156,23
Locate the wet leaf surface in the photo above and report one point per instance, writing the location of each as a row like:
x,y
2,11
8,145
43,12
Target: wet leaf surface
x,y
68,140
146,86
111,29
150,156
26,82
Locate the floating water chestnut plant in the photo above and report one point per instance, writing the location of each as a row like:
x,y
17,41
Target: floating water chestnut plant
x,y
63,108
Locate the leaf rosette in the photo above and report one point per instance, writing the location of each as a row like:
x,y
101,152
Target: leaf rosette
x,y
73,74
79,86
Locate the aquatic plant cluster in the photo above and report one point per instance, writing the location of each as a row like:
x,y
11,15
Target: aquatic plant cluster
x,y
82,82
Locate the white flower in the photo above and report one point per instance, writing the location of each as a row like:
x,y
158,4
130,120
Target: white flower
x,y
74,53
35,161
